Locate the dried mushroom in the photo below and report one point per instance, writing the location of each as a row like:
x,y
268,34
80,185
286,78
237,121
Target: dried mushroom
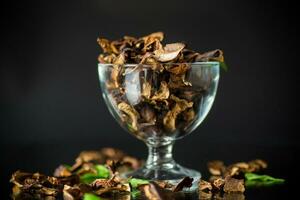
x,y
37,184
216,55
151,191
218,183
231,179
163,92
233,185
131,113
147,105
205,186
185,182
216,167
169,52
181,105
103,168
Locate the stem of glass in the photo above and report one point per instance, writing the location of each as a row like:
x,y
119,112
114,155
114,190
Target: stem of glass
x,y
160,156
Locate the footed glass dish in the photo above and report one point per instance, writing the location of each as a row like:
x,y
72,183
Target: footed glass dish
x,y
159,108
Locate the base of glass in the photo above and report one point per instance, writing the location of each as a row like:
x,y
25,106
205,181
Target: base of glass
x,y
171,175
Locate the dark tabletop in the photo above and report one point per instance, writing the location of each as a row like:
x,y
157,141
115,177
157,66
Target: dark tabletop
x,y
44,158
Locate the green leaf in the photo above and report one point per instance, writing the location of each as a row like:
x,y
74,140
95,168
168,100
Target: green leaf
x,y
224,66
253,179
135,182
102,171
88,178
89,196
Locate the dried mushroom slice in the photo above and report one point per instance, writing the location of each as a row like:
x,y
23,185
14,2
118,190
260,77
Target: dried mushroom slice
x,y
133,162
178,81
120,189
129,39
105,45
256,165
113,167
112,153
178,69
146,90
157,35
117,45
164,184
242,165
189,115
232,171
104,183
163,92
216,55
205,186
263,164
189,56
107,186
62,171
151,44
116,72
72,193
169,120
168,52
147,58
87,156
216,167
131,113
106,58
120,59
148,114
218,183
233,185
86,168
69,180
185,182
151,191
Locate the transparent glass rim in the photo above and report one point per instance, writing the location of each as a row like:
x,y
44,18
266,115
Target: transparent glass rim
x,y
216,63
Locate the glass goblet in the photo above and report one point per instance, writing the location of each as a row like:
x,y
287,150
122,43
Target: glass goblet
x,y
159,108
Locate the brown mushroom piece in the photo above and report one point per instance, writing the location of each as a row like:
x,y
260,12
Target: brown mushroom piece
x,y
185,182
216,167
146,90
169,120
218,183
151,191
233,185
148,114
131,112
215,55
168,52
204,185
163,92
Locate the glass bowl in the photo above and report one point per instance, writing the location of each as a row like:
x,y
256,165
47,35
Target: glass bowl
x,y
158,108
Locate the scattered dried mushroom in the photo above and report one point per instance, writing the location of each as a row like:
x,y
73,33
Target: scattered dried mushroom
x,y
226,180
168,100
97,173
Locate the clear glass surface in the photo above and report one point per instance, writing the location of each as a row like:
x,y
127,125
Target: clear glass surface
x,y
203,78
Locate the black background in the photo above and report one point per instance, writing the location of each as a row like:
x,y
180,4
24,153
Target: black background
x,y
51,104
